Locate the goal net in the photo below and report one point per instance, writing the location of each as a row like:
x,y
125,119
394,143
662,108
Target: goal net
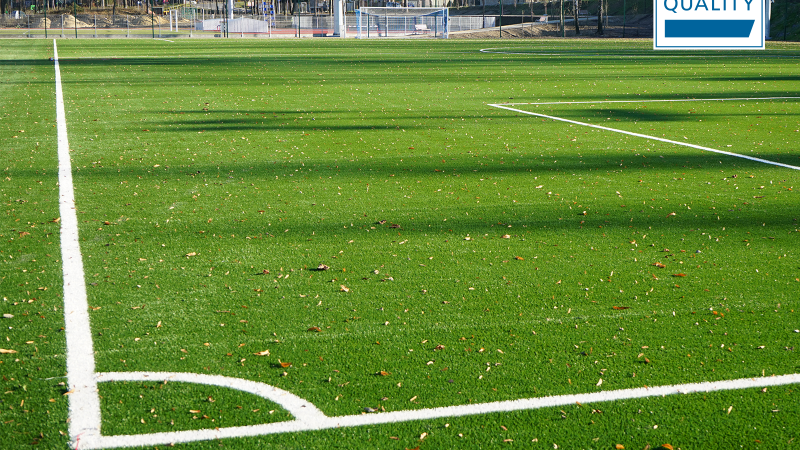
x,y
402,22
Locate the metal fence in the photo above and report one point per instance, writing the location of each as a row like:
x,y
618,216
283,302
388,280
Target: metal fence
x,y
170,26
200,22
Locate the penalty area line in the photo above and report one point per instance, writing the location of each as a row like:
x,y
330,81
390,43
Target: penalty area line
x,y
644,136
673,100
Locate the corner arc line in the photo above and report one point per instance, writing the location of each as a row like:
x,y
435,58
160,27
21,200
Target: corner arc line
x,y
302,410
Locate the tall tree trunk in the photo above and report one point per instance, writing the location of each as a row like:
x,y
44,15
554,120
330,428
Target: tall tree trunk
x,y
577,13
600,18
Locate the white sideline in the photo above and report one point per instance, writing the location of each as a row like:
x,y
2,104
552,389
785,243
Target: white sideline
x,y
645,136
84,402
323,422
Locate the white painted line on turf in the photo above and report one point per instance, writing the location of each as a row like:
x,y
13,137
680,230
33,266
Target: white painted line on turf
x,y
323,422
645,136
600,102
301,409
500,51
84,403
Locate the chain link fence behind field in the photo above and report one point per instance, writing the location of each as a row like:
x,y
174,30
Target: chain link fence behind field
x,y
172,27
622,18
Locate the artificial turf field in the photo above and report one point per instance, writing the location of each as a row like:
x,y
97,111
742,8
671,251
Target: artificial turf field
x,y
471,254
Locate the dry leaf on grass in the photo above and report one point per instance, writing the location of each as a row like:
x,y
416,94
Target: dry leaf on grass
x,y
621,307
3,350
264,353
678,274
343,288
315,329
659,265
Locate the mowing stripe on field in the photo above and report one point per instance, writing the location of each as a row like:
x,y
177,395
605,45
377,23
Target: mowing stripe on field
x,y
84,401
507,106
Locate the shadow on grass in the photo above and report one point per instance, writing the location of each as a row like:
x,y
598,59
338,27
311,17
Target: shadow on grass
x,y
416,164
254,119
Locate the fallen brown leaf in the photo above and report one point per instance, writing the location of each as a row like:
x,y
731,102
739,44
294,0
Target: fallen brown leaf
x,y
659,265
3,350
621,307
264,353
315,329
678,274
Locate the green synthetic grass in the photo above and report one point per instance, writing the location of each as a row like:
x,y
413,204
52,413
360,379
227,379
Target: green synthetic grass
x,y
33,406
474,254
159,407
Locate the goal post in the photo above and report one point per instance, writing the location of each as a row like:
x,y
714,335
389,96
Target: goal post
x,y
373,22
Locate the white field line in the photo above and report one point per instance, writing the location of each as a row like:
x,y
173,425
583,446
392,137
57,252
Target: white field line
x,y
84,403
600,102
645,136
323,422
500,51
301,409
